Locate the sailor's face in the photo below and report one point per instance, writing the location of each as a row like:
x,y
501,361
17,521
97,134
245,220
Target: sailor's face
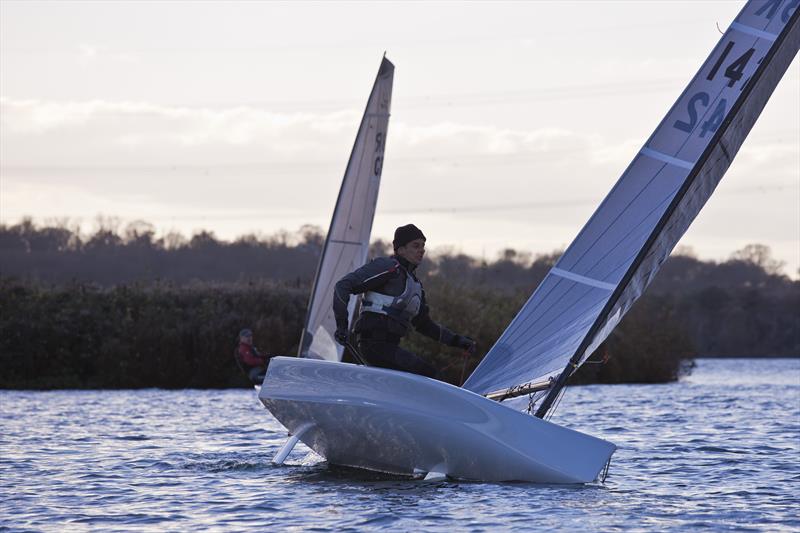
x,y
413,252
247,339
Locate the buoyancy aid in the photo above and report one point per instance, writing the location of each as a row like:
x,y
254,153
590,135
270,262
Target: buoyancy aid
x,y
250,356
403,307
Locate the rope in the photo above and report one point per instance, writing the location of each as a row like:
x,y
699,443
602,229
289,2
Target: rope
x,y
561,392
555,405
463,369
447,366
531,403
463,366
356,353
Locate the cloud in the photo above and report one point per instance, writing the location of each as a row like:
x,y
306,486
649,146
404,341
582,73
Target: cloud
x,y
485,139
246,168
137,132
122,133
138,153
180,155
87,53
91,56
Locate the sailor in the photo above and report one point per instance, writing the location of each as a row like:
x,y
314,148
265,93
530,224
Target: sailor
x,y
393,301
251,361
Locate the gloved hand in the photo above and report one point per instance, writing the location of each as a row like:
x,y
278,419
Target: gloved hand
x,y
341,336
465,343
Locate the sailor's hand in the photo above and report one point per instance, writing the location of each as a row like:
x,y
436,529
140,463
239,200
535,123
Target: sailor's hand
x,y
465,343
341,336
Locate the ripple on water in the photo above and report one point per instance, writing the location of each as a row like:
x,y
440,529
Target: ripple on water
x,y
715,452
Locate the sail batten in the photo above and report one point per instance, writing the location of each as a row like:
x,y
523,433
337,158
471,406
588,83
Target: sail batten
x,y
582,279
655,154
650,207
347,242
755,32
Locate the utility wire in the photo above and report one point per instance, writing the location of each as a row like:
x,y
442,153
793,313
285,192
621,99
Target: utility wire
x,y
444,210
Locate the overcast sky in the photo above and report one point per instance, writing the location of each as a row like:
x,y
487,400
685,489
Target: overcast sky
x,y
510,121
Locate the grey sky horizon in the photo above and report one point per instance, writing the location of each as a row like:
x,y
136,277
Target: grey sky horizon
x,y
510,121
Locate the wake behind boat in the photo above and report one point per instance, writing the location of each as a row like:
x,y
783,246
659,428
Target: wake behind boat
x,y
391,421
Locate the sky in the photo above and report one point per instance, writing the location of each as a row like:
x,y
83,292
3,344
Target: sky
x,y
510,121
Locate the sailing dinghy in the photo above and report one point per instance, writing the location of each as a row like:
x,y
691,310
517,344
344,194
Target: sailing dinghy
x,y
347,243
396,422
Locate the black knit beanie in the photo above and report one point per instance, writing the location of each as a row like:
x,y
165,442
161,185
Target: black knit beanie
x,y
405,234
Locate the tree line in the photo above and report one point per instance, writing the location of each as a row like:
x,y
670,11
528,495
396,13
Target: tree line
x,y
122,308
80,335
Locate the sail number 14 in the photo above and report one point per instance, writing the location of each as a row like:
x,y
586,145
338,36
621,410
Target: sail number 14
x,y
734,71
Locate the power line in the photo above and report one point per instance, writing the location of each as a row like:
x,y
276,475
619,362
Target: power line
x,y
454,159
441,209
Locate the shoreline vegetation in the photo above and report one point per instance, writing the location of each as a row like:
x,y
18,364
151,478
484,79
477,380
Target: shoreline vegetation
x,y
121,308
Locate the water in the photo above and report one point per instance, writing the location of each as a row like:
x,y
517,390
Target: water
x,y
720,450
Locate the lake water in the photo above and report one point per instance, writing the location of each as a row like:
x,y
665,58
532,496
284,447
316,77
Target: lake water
x,y
719,450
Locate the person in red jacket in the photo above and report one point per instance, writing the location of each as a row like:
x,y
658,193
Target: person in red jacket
x,y
253,362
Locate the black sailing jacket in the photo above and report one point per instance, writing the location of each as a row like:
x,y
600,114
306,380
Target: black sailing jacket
x,y
386,275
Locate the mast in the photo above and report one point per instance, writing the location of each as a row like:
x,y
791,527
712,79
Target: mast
x,y
710,167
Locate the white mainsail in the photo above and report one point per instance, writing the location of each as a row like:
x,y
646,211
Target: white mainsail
x,y
620,249
347,243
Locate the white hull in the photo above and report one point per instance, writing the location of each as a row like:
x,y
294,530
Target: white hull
x,y
401,423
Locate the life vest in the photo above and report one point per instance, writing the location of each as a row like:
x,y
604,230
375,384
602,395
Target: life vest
x,y
249,356
403,307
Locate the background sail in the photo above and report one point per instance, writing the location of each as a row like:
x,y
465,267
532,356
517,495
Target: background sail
x,y
347,242
618,252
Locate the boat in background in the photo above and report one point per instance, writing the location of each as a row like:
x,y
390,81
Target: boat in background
x,y
494,428
347,242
